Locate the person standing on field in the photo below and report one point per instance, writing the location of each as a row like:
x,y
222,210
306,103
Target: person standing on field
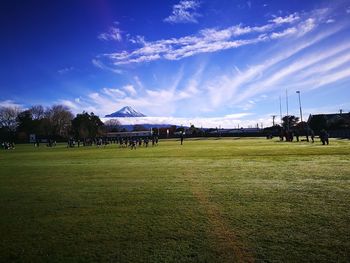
x,y
182,137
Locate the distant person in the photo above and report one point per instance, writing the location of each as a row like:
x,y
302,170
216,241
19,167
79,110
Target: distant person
x,y
312,135
281,136
182,138
296,135
286,135
133,143
324,136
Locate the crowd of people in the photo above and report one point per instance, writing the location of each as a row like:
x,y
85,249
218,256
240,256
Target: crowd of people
x,y
135,142
289,136
49,143
8,145
123,142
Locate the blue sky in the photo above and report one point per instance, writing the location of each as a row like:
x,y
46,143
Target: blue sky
x,y
206,62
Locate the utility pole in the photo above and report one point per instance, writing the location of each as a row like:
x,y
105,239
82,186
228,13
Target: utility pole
x,y
301,112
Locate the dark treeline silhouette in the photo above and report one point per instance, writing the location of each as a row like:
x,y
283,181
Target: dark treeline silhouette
x,y
55,123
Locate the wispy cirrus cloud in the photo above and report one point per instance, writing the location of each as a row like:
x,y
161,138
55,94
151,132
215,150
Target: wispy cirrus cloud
x,y
65,70
305,56
156,101
288,68
130,90
97,63
211,40
287,19
113,33
184,12
298,64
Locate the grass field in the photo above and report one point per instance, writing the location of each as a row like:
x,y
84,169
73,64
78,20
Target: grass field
x,y
228,200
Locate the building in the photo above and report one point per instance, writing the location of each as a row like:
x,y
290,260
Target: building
x,y
337,124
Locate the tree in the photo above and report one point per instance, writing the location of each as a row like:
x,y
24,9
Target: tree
x,y
37,112
289,121
26,125
87,125
8,122
59,120
112,125
8,117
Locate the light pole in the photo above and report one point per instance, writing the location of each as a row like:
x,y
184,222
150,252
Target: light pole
x,y
287,110
281,110
301,112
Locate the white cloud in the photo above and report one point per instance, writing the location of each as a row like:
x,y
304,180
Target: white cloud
x,y
69,104
161,101
332,78
138,82
10,103
266,76
184,12
234,121
97,63
288,19
130,90
211,40
114,93
292,63
306,26
286,32
113,33
237,115
318,70
65,70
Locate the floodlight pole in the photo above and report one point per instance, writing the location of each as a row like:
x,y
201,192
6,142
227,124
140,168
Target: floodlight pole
x,y
287,110
287,102
273,120
281,109
301,112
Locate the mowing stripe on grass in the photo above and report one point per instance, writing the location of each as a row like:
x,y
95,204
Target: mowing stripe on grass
x,y
228,247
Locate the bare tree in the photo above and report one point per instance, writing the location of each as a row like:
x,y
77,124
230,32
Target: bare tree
x,y
8,117
37,111
112,125
59,118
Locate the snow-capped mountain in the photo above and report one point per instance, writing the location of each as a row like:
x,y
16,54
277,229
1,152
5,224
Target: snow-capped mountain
x,y
126,112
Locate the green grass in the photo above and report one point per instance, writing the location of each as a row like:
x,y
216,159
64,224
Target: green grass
x,y
206,201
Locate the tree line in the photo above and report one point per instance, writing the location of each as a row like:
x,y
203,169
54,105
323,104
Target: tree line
x,y
56,122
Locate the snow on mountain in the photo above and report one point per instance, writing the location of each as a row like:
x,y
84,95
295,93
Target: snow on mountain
x,y
126,112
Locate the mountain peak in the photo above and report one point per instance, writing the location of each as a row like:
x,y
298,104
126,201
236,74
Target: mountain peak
x,y
126,111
